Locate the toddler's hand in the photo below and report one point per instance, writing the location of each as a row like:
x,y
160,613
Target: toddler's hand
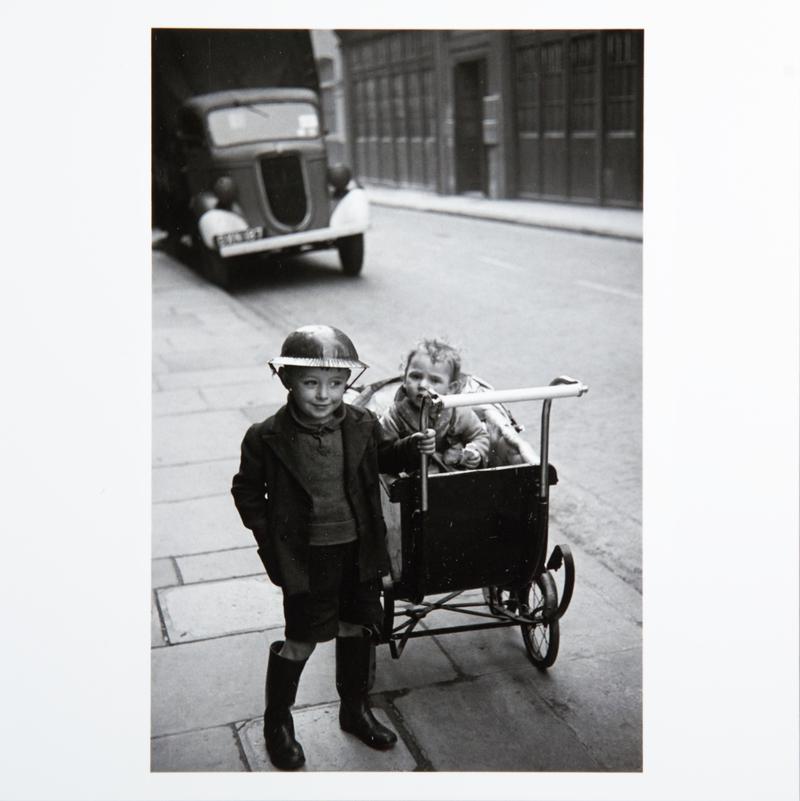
x,y
470,458
452,455
425,441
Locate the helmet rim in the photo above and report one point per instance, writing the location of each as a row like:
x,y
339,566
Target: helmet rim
x,y
298,361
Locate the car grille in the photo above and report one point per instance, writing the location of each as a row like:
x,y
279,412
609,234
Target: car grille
x,y
283,182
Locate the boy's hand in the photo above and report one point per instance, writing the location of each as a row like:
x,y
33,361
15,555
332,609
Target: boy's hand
x,y
470,458
425,441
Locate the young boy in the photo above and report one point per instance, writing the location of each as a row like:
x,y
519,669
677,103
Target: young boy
x,y
461,438
307,488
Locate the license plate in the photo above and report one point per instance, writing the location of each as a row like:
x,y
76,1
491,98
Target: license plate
x,y
248,235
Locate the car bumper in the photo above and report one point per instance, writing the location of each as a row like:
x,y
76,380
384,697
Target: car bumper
x,y
268,244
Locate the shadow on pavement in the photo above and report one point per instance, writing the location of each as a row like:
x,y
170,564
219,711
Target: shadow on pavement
x,y
257,273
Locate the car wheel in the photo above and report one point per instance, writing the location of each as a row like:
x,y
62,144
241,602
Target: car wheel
x,y
351,253
218,270
211,265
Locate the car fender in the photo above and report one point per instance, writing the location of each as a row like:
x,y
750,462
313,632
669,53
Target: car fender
x,y
219,221
352,210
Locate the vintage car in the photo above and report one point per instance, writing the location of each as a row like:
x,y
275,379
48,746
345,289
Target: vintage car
x,y
259,182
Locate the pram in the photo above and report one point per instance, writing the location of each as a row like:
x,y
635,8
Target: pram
x,y
485,530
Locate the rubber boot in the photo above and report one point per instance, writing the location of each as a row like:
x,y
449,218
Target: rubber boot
x,y
283,676
352,682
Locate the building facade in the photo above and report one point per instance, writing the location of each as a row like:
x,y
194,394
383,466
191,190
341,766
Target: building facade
x,y
545,115
331,89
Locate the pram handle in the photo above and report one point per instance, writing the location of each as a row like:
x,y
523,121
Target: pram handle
x,y
561,387
566,388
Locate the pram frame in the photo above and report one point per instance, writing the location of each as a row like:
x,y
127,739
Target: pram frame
x,y
532,602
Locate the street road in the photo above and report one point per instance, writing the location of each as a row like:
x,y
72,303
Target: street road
x,y
524,305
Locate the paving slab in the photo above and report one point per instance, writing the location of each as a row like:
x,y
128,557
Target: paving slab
x,y
156,634
492,724
208,683
236,315
621,595
220,565
601,618
178,401
421,663
236,355
163,573
168,319
198,480
615,538
236,396
168,272
600,699
213,750
478,653
318,684
426,665
160,342
592,626
211,378
255,414
187,298
216,608
234,344
326,746
229,332
197,526
158,366
205,684
198,437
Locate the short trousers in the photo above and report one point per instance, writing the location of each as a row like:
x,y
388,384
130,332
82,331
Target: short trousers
x,y
335,595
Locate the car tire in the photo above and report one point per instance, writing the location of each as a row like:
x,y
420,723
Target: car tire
x,y
211,265
351,253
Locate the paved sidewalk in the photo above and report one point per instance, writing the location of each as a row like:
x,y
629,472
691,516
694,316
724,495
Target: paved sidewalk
x,y
600,221
459,702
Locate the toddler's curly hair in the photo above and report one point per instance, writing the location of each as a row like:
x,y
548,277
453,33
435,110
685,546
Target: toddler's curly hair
x,y
439,352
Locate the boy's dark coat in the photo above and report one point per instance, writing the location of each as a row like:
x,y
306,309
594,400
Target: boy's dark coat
x,y
269,468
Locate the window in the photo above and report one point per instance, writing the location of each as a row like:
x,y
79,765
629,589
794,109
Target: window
x,y
262,121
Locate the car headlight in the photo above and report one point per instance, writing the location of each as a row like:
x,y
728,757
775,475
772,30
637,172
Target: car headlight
x,y
339,176
225,190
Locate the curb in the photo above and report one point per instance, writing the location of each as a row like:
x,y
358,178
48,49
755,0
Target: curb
x,y
500,215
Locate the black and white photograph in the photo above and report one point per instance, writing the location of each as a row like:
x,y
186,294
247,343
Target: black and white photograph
x,y
423,384
397,220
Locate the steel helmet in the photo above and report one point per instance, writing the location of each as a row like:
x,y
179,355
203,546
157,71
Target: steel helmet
x,y
318,346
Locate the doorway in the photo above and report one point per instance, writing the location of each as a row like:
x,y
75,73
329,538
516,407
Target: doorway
x,y
469,78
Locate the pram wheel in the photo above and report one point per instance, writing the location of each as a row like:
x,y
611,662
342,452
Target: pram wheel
x,y
541,639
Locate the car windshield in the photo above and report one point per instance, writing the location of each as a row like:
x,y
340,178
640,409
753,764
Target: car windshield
x,y
257,122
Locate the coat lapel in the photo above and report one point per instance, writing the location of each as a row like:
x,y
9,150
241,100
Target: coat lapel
x,y
281,439
356,433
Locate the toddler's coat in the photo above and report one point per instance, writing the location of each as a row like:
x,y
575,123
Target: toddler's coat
x,y
459,426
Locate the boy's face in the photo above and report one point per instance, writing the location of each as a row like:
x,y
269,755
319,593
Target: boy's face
x,y
422,373
318,391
